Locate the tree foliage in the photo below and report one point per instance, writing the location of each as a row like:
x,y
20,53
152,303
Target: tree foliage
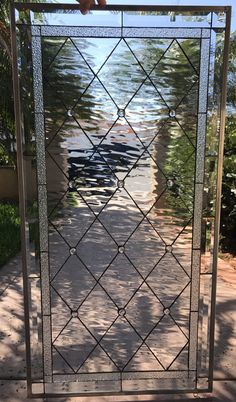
x,y
228,211
7,137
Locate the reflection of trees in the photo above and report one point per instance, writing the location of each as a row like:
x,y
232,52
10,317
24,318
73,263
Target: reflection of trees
x,y
179,165
65,78
174,77
228,212
7,135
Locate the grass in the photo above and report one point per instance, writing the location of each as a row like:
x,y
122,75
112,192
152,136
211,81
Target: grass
x,y
9,231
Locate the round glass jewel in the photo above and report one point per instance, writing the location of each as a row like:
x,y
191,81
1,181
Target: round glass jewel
x,y
72,185
172,113
70,112
121,312
120,183
121,249
74,314
72,251
170,183
121,112
168,249
166,311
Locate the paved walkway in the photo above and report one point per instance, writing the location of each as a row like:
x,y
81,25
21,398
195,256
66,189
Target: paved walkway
x,y
12,360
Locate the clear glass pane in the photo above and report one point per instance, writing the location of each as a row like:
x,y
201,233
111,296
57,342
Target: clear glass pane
x,y
116,126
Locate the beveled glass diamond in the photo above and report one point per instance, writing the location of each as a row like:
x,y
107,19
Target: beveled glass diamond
x,y
121,280
97,249
144,310
73,282
121,348
75,343
98,312
166,341
167,279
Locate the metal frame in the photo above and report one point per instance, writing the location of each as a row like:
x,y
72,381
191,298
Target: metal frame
x,y
219,190
54,6
21,186
19,135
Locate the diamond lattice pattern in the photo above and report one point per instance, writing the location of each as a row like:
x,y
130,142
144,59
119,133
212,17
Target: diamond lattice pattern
x,y
120,166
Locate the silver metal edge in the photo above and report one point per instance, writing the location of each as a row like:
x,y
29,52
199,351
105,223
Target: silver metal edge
x,y
198,197
116,7
228,11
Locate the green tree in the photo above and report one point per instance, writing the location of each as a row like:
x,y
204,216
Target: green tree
x,y
228,212
7,136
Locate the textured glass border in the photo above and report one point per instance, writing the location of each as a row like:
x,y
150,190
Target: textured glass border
x,y
204,73
162,32
42,204
118,32
201,142
80,31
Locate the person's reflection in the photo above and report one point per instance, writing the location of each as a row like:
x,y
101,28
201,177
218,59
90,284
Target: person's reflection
x,y
85,5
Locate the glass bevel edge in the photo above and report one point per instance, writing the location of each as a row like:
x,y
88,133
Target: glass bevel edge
x,y
204,324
